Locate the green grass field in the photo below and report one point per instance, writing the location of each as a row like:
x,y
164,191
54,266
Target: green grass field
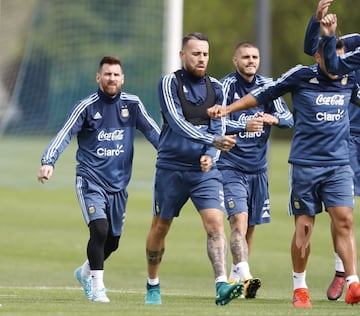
x,y
43,239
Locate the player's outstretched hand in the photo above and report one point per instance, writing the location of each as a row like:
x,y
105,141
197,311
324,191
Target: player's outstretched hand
x,y
224,143
45,173
217,111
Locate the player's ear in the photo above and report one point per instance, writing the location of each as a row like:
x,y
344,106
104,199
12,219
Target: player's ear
x,y
234,60
97,77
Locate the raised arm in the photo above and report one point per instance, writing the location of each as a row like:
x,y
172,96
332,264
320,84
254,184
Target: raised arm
x,y
336,64
312,34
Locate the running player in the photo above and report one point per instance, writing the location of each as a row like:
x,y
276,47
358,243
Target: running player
x,y
351,41
244,167
320,172
185,166
105,123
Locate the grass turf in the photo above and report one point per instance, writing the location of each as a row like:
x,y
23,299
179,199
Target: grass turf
x,y
43,239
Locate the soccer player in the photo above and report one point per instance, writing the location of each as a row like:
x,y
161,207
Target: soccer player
x,y
185,165
105,123
320,172
351,41
244,167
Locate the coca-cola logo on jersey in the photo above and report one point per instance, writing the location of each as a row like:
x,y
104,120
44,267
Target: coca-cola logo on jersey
x,y
111,136
243,118
336,99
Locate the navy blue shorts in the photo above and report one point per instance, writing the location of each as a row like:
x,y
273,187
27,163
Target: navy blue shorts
x,y
311,188
173,189
96,203
354,150
247,193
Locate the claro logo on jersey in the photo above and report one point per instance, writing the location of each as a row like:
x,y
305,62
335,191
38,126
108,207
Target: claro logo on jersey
x,y
331,117
115,135
106,152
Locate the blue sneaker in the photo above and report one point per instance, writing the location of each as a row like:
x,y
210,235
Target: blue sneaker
x,y
85,283
153,294
227,292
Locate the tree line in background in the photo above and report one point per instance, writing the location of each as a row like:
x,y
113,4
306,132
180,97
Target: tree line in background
x,y
228,22
66,39
231,21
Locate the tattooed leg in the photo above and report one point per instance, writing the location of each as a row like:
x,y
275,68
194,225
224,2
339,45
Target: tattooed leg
x,y
217,249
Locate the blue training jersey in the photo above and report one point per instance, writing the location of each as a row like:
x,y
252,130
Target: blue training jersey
x,y
181,143
320,109
250,152
105,129
351,42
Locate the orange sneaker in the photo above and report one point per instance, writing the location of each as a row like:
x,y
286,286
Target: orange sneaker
x,y
353,293
301,298
336,287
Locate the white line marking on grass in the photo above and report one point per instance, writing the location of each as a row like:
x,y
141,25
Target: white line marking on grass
x,y
69,288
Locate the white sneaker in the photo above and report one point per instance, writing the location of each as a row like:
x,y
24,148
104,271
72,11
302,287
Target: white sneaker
x,y
99,295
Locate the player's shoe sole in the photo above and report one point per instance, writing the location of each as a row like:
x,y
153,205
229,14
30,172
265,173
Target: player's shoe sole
x,y
251,287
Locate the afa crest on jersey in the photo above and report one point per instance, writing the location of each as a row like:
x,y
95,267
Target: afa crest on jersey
x,y
344,80
124,112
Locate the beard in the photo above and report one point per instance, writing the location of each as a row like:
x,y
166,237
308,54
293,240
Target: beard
x,y
111,91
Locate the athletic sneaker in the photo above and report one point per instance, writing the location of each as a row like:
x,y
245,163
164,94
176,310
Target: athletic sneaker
x,y
233,281
251,286
99,296
85,283
353,293
226,292
336,287
301,298
153,296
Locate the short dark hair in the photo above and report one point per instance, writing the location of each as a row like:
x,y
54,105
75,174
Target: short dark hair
x,y
340,44
245,44
194,35
111,60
